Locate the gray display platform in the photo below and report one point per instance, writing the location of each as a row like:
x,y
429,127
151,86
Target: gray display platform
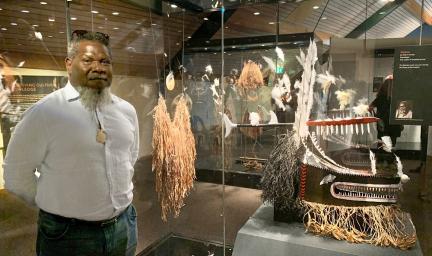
x,y
261,236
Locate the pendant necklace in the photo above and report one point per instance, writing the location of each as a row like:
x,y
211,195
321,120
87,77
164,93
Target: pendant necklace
x,y
100,135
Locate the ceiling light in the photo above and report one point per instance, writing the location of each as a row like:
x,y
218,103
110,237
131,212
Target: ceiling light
x,y
25,11
381,13
95,12
205,48
35,25
115,13
189,37
100,27
271,23
51,19
226,27
43,3
73,18
205,18
262,45
21,63
50,36
256,13
154,24
61,32
138,23
315,7
173,6
115,28
14,24
1,9
234,47
4,29
324,18
177,43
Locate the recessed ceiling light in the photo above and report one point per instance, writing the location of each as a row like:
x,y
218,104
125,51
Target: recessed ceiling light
x,y
205,18
234,47
381,13
14,24
51,19
262,45
100,27
257,13
115,28
43,3
271,23
205,48
35,25
173,6
61,32
73,18
189,37
226,27
25,11
324,18
115,13
138,23
50,36
207,41
154,24
4,29
95,12
177,43
1,9
315,7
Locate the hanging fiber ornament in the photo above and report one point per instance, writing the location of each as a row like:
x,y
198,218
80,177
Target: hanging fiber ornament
x,y
251,76
173,157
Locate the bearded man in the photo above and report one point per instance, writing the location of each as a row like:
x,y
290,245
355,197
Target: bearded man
x,y
83,142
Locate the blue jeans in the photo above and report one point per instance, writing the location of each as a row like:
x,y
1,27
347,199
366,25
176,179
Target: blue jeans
x,y
63,236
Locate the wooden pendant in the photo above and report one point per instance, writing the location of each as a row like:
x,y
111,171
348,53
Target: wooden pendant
x,y
101,136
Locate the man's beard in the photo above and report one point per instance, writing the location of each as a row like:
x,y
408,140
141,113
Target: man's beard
x,y
92,98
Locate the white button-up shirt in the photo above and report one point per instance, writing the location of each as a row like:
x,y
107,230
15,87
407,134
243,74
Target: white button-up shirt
x,y
79,177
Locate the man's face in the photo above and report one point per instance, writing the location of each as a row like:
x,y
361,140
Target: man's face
x,y
91,67
402,108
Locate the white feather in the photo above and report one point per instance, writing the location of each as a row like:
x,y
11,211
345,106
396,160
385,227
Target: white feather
x,y
270,63
209,69
388,145
254,118
228,125
280,54
403,176
373,162
273,118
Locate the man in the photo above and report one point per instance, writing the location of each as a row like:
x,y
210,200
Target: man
x,y
84,143
403,111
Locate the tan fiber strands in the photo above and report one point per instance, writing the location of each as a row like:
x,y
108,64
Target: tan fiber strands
x,y
378,225
251,76
173,157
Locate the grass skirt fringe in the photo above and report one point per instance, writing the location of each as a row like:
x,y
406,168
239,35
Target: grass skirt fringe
x,y
378,225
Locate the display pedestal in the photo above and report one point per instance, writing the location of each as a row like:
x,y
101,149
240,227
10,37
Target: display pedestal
x,y
263,236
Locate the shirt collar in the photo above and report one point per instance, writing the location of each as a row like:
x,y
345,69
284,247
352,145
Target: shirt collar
x,y
70,92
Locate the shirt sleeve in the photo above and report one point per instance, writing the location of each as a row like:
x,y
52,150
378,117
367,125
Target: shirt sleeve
x,y
25,153
135,146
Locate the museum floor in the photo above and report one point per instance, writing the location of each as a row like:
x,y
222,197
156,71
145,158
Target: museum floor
x,y
200,220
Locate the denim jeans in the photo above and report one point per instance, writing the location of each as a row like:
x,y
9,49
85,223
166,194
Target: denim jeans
x,y
61,236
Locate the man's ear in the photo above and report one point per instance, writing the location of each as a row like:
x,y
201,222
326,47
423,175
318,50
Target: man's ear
x,y
68,63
